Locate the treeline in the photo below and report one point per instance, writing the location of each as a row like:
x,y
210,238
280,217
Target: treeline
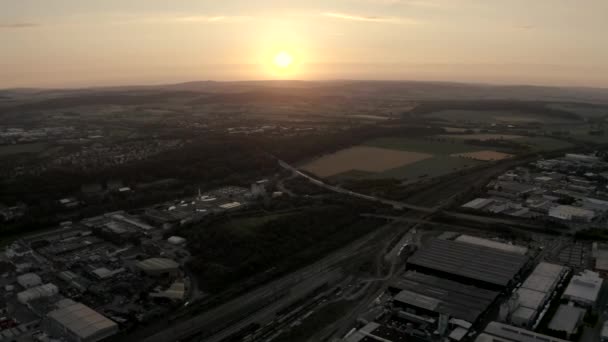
x,y
530,107
223,257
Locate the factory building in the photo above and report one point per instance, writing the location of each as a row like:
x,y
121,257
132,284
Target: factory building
x,y
527,302
570,213
468,263
498,332
568,319
42,291
584,289
427,295
600,254
76,322
493,244
158,266
29,280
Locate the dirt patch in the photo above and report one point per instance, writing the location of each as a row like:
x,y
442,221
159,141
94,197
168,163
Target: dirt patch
x,y
363,158
484,155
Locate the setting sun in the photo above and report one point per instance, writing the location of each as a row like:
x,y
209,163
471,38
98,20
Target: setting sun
x,y
283,60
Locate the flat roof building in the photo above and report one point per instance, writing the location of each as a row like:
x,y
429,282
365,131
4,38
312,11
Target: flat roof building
x,y
41,291
158,266
492,244
77,322
29,280
498,332
584,288
567,318
433,295
570,213
478,203
468,263
528,301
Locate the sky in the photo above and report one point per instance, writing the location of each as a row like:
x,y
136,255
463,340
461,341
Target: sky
x,y
81,43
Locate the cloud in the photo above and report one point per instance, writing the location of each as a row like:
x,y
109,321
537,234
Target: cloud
x,y
353,17
421,3
412,3
526,27
211,19
17,25
184,19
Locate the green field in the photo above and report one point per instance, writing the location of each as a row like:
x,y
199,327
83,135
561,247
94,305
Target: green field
x,y
434,146
434,167
7,150
538,144
584,111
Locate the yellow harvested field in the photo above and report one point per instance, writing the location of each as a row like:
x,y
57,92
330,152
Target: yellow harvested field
x,y
482,137
484,155
363,158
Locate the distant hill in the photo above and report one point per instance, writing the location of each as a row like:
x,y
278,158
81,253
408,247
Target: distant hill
x,y
280,92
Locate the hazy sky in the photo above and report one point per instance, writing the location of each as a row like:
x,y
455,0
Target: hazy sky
x,y
57,43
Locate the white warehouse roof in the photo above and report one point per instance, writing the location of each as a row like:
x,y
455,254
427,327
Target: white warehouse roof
x,y
584,288
29,280
478,203
84,322
46,290
492,244
568,213
176,240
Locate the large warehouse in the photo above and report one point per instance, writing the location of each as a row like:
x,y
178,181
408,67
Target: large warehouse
x,y
584,288
528,301
468,263
429,295
158,266
498,332
77,322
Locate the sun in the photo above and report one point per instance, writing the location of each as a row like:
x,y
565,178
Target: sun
x,y
283,60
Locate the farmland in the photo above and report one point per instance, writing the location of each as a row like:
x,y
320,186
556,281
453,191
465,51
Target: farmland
x,y
432,145
363,158
433,167
6,150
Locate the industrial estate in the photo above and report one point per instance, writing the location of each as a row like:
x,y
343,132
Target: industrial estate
x,y
246,213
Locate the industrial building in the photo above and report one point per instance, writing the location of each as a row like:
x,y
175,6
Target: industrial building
x,y
570,213
158,266
600,254
527,302
584,289
77,322
567,318
29,280
42,291
433,296
493,244
498,332
467,263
